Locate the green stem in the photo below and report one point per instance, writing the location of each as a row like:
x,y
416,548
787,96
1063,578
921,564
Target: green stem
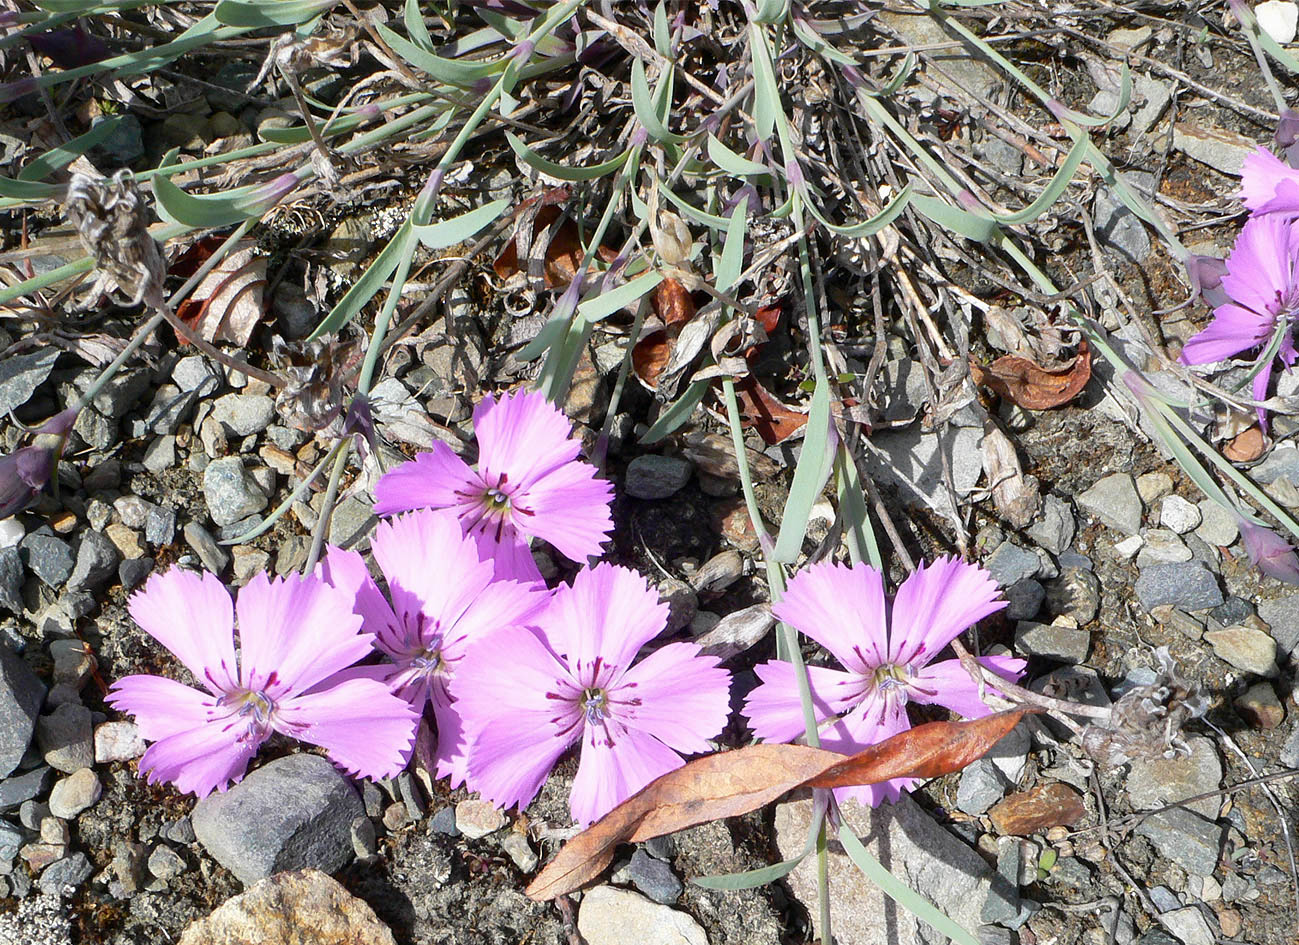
x,y
321,531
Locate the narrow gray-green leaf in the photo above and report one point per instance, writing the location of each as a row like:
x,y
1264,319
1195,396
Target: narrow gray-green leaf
x,y
415,28
208,211
766,93
64,154
643,102
446,233
561,171
961,222
751,878
731,263
371,281
1054,188
733,163
662,34
606,303
817,43
857,529
462,73
256,14
29,189
815,463
871,225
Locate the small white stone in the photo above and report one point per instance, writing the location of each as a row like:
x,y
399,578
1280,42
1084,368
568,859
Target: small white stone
x,y
1125,549
11,532
1188,925
1279,19
477,818
117,741
1176,514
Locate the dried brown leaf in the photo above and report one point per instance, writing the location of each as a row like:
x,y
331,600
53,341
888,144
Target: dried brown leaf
x,y
1016,496
1033,387
735,782
230,301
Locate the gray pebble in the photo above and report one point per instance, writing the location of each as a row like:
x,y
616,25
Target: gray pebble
x,y
48,557
1002,904
1186,838
981,786
1010,564
11,841
1054,530
133,572
518,849
1062,644
1282,618
656,477
214,557
1188,585
365,843
31,813
160,525
165,863
231,492
97,560
1025,599
654,878
244,414
179,831
66,738
23,787
12,577
1075,593
160,455
444,822
63,876
75,793
1217,525
1162,546
294,813
1114,500
196,373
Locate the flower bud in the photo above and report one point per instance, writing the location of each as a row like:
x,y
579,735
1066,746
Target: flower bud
x,y
1270,553
24,472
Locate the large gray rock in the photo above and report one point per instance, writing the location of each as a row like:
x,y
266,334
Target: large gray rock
x,y
1186,838
97,560
231,492
912,846
656,477
66,738
1154,782
1115,501
294,813
244,414
21,695
1188,585
1282,617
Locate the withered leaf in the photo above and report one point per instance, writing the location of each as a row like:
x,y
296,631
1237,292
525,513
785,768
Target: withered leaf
x,y
559,256
732,783
774,422
673,305
230,301
1017,496
1033,387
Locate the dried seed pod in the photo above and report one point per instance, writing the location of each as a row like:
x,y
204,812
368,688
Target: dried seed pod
x,y
1147,721
718,572
737,631
112,220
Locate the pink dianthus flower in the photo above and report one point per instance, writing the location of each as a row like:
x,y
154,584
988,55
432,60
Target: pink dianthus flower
x,y
293,634
525,697
442,595
887,653
529,483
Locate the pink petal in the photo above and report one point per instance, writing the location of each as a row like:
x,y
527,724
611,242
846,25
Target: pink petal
x,y
1233,330
298,630
952,687
522,436
191,615
514,729
842,609
430,481
431,567
346,571
934,605
362,726
162,707
452,759
774,710
607,614
1261,263
1267,185
1261,381
681,698
570,507
201,760
869,724
616,763
511,556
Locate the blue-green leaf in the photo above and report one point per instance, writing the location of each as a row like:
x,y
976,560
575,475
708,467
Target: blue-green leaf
x,y
677,413
731,263
371,281
415,28
29,189
961,222
446,233
464,74
751,878
561,171
815,463
1054,188
256,14
643,103
731,162
64,154
606,303
766,94
871,225
662,35
208,211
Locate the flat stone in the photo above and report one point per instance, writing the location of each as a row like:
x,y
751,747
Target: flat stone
x,y
165,863
160,526
243,414
982,784
1178,515
97,560
62,877
1116,225
909,459
657,477
1188,585
214,557
1114,500
117,741
1259,706
1224,151
1162,546
1186,838
1010,564
23,787
21,695
1282,617
911,845
288,909
1125,549
48,557
1217,525
653,877
131,573
476,818
125,540
197,373
295,812
1153,486
160,455
12,577
612,916
231,492
75,793
66,739
1189,926
21,374
1154,782
1244,648
1024,599
1037,810
1055,526
1003,900
1056,643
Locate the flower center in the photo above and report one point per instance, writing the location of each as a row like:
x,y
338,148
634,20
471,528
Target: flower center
x,y
595,703
893,681
254,708
429,663
497,501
